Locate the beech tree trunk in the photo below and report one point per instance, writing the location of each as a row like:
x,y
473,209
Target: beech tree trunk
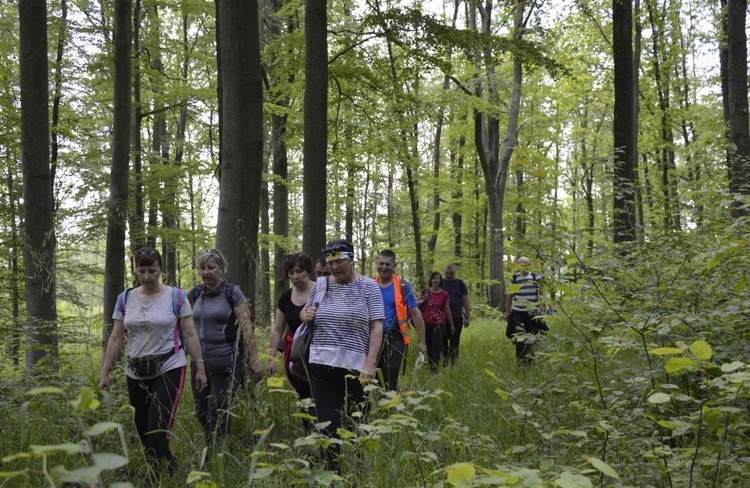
x,y
316,127
241,140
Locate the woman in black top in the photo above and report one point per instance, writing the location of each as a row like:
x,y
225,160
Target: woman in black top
x,y
299,268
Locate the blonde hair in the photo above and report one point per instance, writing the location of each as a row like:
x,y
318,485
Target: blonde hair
x,y
207,254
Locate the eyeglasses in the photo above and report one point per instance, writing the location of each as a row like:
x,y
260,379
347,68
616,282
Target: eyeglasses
x,y
146,252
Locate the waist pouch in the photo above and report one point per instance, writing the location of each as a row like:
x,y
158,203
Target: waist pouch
x,y
145,366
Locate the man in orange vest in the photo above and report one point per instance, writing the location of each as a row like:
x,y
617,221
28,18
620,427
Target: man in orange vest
x,y
398,301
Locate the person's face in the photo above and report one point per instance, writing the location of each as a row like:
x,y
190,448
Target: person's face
x,y
211,272
149,275
435,281
524,265
386,267
322,270
341,269
450,274
298,276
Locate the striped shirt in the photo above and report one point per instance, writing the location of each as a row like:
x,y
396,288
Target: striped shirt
x,y
341,337
528,296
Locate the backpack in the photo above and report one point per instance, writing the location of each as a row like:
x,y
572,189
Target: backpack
x,y
177,298
299,357
230,331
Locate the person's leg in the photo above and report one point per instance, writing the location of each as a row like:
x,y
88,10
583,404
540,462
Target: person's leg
x,y
201,403
433,340
165,396
454,340
442,331
391,356
140,400
328,390
523,348
221,403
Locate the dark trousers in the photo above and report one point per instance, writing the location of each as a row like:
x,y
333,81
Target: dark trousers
x,y
155,404
519,324
435,337
452,341
338,393
391,357
213,403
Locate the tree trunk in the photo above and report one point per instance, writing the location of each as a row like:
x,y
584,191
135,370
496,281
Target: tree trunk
x,y
136,217
316,127
458,197
114,269
624,123
58,79
16,248
241,141
38,209
739,128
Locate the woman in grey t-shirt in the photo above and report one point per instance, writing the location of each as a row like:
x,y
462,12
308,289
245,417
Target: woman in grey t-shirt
x,y
222,319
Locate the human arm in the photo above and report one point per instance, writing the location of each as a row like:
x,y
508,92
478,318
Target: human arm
x,y
242,312
508,305
114,344
416,315
422,297
376,339
467,309
448,315
194,348
277,334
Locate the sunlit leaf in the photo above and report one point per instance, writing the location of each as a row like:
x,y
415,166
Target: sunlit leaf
x,y
261,473
395,400
679,366
659,397
701,350
194,476
46,390
110,461
86,399
570,480
663,351
13,474
279,445
603,467
460,472
102,427
733,366
502,393
66,447
275,382
87,475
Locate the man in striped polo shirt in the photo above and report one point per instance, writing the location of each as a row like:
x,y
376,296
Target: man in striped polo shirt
x,y
524,310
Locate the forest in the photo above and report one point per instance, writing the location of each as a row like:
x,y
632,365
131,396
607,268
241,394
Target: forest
x,y
606,140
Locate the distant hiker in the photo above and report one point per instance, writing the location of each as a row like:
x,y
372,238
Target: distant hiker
x,y
346,336
155,317
321,267
222,319
438,319
524,311
460,309
298,268
399,302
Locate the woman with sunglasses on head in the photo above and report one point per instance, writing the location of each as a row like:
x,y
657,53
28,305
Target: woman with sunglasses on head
x,y
298,267
154,317
346,336
222,319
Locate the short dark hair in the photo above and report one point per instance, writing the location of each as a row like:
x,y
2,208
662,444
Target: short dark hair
x,y
300,259
387,253
438,275
146,256
322,260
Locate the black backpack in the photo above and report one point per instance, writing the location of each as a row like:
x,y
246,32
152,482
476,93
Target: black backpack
x,y
231,330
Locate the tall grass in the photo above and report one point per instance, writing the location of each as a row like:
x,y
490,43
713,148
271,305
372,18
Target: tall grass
x,y
642,381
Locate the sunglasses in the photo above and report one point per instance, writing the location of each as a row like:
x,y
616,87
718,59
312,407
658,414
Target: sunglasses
x,y
212,252
146,252
293,257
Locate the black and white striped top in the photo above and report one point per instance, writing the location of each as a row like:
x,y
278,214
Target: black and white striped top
x,y
528,296
341,337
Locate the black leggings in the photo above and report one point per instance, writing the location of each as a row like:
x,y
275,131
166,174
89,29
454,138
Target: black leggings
x,y
436,335
155,402
391,356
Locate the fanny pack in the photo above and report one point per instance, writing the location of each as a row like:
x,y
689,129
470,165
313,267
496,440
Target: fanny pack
x,y
148,365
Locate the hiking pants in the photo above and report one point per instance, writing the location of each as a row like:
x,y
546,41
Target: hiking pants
x,y
391,356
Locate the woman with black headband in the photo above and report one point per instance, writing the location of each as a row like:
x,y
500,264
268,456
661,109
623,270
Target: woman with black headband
x,y
156,317
347,331
222,319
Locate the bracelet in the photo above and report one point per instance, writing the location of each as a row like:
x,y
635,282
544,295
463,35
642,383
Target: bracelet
x,y
202,361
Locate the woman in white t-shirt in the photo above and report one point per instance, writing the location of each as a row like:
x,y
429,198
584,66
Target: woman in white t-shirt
x,y
153,315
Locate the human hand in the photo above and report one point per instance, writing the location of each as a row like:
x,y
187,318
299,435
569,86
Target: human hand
x,y
308,315
367,374
256,371
200,379
104,381
271,367
453,329
506,316
467,322
422,346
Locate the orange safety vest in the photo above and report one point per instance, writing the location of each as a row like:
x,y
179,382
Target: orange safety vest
x,y
402,311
